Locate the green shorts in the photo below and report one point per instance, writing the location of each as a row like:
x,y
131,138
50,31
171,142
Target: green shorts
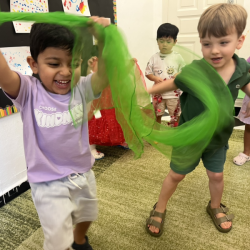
x,y
213,161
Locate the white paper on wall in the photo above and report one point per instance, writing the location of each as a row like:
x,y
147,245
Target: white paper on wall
x,y
16,59
78,7
13,170
32,6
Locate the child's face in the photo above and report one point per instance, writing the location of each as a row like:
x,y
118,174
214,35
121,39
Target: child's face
x,y
55,68
166,44
219,51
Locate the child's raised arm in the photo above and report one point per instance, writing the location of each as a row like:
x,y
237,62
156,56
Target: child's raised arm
x,y
162,87
99,80
9,80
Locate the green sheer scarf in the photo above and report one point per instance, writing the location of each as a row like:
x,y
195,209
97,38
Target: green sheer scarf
x,y
132,103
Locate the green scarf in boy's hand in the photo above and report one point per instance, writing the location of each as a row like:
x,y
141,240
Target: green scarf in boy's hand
x,y
134,110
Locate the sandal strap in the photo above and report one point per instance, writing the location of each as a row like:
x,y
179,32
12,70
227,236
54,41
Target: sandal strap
x,y
220,210
153,222
224,219
154,213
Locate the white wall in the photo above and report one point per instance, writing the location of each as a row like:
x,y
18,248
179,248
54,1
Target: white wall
x,y
245,50
139,25
140,22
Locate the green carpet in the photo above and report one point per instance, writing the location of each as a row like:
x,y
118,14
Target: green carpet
x,y
127,190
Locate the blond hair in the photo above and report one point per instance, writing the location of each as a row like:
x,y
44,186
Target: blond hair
x,y
221,19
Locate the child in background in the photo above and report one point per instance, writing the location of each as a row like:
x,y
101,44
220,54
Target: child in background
x,y
58,156
162,66
220,29
244,157
103,127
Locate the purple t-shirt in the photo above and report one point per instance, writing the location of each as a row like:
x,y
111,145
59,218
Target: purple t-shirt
x,y
54,148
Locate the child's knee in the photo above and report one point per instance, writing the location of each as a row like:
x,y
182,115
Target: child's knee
x,y
216,177
176,177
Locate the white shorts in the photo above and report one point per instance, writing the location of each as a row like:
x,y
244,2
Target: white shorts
x,y
60,204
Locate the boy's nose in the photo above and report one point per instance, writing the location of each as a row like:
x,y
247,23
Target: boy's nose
x,y
66,71
215,50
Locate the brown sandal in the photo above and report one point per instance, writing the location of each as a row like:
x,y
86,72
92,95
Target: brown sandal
x,y
217,221
152,222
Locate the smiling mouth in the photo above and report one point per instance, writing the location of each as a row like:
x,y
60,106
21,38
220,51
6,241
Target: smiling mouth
x,y
216,59
62,84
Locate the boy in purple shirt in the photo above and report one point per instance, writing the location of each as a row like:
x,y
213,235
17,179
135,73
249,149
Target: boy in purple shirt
x,y
58,157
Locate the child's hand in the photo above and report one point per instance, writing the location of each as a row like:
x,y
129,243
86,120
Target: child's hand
x,y
158,79
93,63
164,86
94,29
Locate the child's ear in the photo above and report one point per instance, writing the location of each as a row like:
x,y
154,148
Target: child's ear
x,y
33,64
241,40
175,41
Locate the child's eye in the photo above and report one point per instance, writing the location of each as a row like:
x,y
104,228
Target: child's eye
x,y
224,43
205,44
53,64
